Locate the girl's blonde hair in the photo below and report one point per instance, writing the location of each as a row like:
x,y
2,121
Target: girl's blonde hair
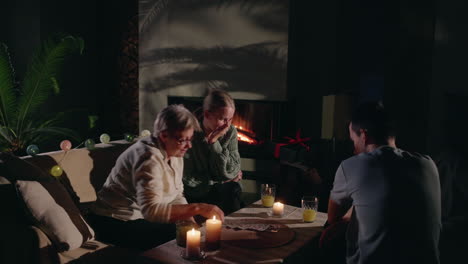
x,y
216,99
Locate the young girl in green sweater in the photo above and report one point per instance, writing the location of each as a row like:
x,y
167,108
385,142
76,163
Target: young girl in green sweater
x,y
212,166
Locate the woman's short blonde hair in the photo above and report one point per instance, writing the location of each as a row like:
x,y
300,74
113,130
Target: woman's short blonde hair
x,y
217,99
174,118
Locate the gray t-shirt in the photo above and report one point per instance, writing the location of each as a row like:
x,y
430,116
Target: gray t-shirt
x,y
396,198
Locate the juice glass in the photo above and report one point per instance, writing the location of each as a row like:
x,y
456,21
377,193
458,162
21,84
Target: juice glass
x,y
309,208
268,192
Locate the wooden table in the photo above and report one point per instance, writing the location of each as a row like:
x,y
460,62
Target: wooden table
x,y
230,254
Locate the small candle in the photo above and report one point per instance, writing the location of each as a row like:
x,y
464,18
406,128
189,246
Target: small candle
x,y
192,249
213,233
278,208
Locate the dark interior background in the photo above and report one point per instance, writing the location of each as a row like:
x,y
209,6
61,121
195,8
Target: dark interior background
x,y
411,54
89,82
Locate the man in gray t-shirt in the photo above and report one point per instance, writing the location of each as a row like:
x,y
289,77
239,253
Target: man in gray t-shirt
x,y
393,196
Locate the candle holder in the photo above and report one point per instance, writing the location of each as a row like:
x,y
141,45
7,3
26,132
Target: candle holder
x,y
277,215
271,214
201,256
212,246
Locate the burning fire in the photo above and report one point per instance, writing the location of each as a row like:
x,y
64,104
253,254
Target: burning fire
x,y
242,135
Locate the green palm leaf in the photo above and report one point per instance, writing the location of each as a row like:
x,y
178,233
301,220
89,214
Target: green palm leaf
x,y
5,135
39,79
7,95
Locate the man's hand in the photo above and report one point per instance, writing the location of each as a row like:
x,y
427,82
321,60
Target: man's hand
x,y
217,133
337,212
347,216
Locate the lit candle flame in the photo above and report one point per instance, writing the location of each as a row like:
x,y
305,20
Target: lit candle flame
x,y
214,217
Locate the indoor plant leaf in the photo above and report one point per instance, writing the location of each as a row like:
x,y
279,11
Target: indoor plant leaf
x,y
42,71
5,134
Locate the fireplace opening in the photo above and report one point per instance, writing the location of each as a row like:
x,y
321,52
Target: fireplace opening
x,y
256,121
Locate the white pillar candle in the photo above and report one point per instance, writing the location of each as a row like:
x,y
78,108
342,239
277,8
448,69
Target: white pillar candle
x,y
278,208
192,248
213,233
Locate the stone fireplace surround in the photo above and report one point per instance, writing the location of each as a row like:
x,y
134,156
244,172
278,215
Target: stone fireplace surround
x,y
151,102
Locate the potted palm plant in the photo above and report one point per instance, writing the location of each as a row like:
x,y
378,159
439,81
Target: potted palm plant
x,y
20,103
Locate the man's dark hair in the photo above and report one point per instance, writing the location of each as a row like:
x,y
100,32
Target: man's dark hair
x,y
371,116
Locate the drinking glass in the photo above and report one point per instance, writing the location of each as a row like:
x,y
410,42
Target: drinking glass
x,y
309,208
268,192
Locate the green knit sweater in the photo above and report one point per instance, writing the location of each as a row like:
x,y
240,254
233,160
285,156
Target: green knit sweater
x,y
206,164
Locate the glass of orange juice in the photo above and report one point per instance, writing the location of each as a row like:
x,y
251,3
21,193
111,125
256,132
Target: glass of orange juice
x,y
309,208
268,192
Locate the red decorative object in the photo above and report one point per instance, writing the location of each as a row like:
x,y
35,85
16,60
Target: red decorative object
x,y
292,141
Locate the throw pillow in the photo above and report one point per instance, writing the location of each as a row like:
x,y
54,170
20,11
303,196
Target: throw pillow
x,y
15,169
55,213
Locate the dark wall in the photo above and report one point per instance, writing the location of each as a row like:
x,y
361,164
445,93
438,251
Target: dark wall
x,y
335,47
408,72
20,30
312,63
426,85
449,93
410,54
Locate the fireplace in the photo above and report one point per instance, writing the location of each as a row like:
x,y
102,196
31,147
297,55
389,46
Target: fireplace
x,y
256,121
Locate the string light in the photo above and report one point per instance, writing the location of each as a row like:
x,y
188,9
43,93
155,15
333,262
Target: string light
x,y
89,143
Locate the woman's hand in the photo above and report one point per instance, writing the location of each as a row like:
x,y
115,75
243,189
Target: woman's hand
x,y
187,211
217,133
209,210
236,179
